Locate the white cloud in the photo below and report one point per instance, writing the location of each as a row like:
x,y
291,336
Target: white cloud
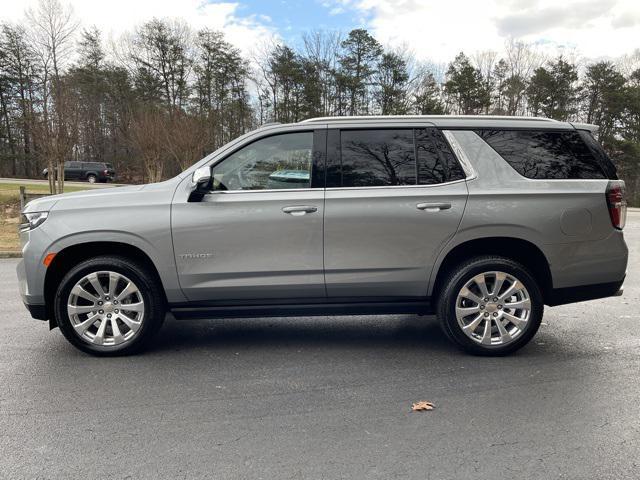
x,y
115,17
438,30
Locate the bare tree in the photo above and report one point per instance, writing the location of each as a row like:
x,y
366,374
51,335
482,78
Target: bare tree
x,y
147,136
53,27
522,60
185,139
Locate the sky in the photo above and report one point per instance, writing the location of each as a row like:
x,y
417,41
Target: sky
x,y
433,30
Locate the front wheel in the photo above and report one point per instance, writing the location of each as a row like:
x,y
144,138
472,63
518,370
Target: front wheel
x,y
490,305
109,305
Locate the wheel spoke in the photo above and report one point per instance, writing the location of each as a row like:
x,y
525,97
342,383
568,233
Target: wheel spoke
x,y
99,338
504,335
465,311
520,304
117,335
128,290
516,286
468,294
132,307
481,281
78,309
500,278
518,322
113,283
473,325
93,279
134,325
486,335
82,327
78,291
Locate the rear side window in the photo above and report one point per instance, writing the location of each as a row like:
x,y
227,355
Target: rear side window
x,y
395,157
377,158
436,161
540,154
603,159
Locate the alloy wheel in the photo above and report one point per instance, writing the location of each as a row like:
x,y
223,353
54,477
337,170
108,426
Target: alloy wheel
x,y
493,308
106,308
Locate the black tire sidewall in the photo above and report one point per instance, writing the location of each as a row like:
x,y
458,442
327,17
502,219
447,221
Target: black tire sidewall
x,y
153,301
456,280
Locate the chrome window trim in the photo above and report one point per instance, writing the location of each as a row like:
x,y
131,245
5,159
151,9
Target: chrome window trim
x,y
460,154
270,190
378,187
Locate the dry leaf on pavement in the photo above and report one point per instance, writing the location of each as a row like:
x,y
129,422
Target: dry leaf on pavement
x,y
422,405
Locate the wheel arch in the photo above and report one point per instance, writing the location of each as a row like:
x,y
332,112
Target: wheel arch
x,y
70,256
518,249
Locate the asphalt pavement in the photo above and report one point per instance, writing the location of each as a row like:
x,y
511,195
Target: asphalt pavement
x,y
326,398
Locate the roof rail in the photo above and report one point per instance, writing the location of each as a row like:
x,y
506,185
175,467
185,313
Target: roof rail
x,y
422,117
269,124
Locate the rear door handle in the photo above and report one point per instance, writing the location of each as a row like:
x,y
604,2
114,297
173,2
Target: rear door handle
x,y
433,207
298,210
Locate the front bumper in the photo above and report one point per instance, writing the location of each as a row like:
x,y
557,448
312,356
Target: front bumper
x,y
39,312
33,303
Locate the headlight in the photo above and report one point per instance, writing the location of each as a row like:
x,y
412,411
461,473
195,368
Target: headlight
x,y
32,220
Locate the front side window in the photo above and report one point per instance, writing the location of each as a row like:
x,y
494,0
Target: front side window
x,y
543,154
277,162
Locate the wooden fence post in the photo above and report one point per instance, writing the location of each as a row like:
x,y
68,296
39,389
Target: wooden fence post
x,y
23,197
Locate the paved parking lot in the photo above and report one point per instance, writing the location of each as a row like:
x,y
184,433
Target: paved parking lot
x,y
326,398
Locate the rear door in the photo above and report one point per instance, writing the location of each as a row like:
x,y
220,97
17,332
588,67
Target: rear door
x,y
394,198
258,234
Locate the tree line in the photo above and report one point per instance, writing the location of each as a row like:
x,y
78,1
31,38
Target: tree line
x,y
164,95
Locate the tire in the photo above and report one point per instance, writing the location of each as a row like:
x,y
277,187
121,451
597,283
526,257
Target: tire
x,y
91,178
457,308
133,328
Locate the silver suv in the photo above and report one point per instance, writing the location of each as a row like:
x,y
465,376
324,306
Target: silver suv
x,y
481,220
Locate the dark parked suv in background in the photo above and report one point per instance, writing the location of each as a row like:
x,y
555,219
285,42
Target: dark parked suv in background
x,y
92,172
481,220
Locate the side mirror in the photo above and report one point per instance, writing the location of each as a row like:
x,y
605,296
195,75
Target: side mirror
x,y
201,180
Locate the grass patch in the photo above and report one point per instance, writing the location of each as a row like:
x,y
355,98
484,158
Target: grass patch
x,y
10,211
10,192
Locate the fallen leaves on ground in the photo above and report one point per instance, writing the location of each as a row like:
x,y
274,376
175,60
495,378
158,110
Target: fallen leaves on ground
x,y
421,406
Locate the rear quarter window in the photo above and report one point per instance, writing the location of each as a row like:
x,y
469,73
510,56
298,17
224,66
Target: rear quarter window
x,y
546,155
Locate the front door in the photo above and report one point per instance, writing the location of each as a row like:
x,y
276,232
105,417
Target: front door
x,y
394,198
258,234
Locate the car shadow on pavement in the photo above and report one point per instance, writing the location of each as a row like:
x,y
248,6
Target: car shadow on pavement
x,y
402,333
406,332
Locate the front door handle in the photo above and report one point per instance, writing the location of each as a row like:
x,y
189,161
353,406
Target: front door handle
x,y
298,210
433,207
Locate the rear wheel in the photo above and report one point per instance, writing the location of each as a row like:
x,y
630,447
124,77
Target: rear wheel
x,y
490,306
109,306
91,178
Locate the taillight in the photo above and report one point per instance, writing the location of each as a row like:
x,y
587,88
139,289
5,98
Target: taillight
x,y
617,204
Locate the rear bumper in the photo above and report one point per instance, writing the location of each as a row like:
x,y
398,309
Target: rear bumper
x,y
562,296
